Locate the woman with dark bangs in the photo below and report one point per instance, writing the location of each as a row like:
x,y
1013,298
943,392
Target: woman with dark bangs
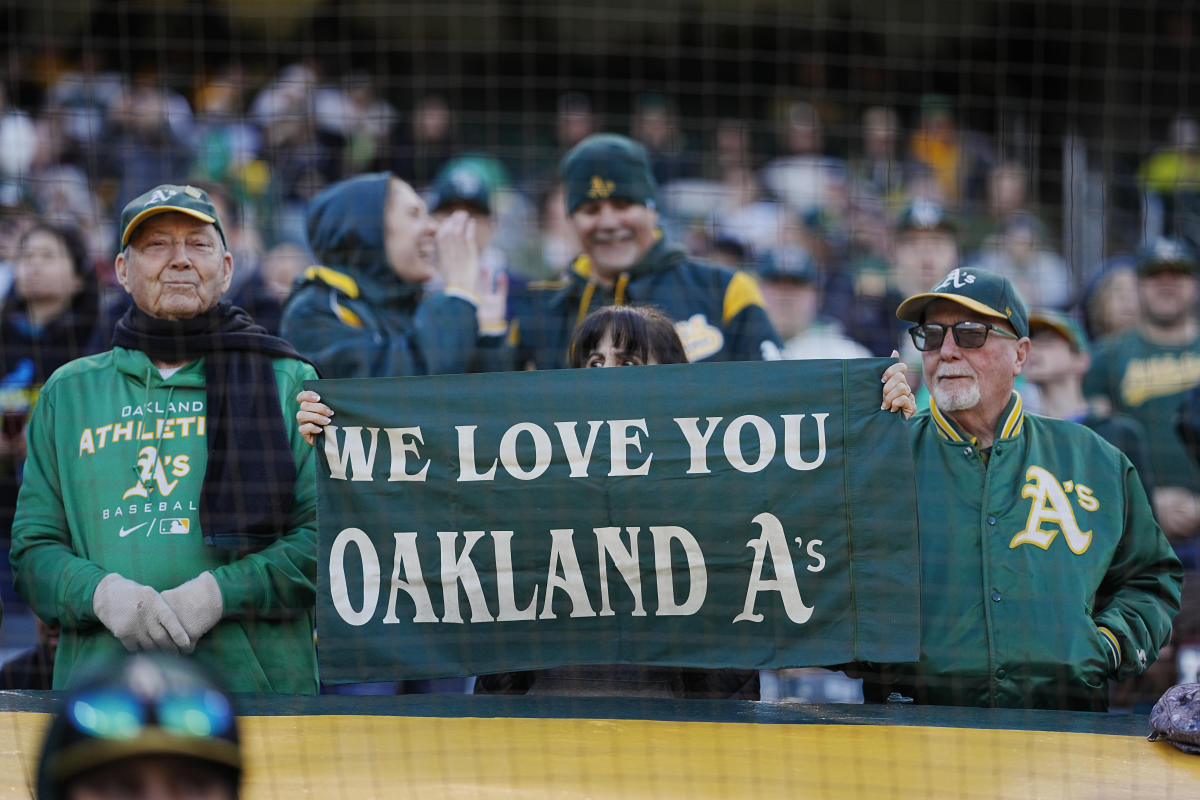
x,y
625,336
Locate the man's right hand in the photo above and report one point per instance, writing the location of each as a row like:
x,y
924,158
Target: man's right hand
x,y
138,616
457,253
313,415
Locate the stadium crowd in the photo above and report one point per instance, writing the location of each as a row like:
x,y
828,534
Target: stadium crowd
x,y
376,245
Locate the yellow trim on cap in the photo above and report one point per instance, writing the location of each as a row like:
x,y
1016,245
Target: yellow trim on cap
x,y
741,293
331,277
150,212
910,310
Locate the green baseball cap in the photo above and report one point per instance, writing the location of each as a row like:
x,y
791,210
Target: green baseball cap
x,y
607,166
980,290
169,197
1062,324
1166,254
789,264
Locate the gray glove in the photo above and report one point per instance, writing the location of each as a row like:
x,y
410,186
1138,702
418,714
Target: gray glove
x,y
138,616
198,605
1176,717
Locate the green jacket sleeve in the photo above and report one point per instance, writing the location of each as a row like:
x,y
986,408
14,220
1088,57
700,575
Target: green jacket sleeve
x,y
1139,596
57,583
280,579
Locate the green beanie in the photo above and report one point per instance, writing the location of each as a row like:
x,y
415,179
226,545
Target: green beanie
x,y
606,167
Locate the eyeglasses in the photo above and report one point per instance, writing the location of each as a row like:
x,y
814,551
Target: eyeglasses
x,y
968,334
120,714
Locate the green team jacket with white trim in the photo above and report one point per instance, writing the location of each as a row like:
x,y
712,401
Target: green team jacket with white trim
x,y
117,455
1043,571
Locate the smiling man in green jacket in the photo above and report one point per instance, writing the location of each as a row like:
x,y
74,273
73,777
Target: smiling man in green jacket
x,y
1043,572
168,503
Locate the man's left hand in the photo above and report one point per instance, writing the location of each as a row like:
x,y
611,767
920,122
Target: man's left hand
x,y
197,603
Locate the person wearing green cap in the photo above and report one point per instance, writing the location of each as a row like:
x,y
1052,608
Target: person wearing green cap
x,y
168,504
611,200
1043,572
1059,357
1145,373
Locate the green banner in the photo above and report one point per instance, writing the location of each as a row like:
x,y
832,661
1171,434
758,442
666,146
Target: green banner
x,y
705,515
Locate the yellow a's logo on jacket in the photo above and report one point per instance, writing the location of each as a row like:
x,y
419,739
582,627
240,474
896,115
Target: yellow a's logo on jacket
x,y
1050,505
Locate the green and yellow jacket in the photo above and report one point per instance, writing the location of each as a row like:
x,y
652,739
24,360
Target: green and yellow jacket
x,y
718,312
1043,571
117,455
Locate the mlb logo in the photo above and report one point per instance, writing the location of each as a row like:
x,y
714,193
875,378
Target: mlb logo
x,y
175,526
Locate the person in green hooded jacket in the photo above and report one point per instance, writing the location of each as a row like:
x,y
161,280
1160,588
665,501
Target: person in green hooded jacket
x,y
611,199
363,311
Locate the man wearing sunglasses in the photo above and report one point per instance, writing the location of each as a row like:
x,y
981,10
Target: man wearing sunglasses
x,y
1044,574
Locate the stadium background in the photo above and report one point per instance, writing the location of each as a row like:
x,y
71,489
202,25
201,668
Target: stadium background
x,y
1082,93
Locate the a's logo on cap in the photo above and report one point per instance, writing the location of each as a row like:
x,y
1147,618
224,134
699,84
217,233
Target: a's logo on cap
x,y
956,280
159,196
601,189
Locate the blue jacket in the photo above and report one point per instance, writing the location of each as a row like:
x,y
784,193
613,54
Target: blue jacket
x,y
352,315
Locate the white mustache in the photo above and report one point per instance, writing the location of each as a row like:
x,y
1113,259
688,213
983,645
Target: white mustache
x,y
954,372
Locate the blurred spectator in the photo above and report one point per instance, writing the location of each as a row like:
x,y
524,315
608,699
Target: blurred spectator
x,y
958,159
228,144
18,140
656,127
49,318
149,138
428,143
789,280
281,266
34,668
1170,180
81,99
1021,256
358,119
924,249
1145,373
1110,300
574,120
804,179
300,164
246,289
877,173
1059,357
1007,196
363,312
554,244
145,726
16,218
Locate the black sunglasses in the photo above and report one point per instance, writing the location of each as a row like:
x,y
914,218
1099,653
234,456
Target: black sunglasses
x,y
968,334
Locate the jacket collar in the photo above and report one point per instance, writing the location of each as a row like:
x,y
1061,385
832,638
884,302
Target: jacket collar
x,y
1011,422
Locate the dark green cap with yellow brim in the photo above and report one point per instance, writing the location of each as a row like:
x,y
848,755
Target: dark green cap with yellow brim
x,y
980,290
169,197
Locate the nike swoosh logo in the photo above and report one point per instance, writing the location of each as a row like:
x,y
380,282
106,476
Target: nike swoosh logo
x,y
126,531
